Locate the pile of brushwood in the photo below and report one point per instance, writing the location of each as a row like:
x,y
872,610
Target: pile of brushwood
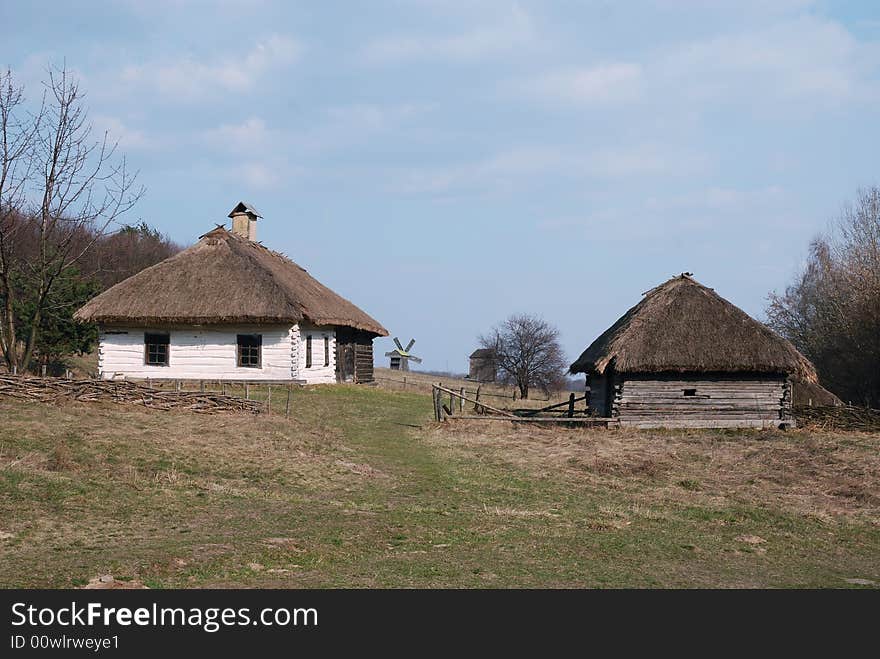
x,y
60,389
830,417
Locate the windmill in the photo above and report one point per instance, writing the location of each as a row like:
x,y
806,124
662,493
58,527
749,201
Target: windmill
x,y
400,356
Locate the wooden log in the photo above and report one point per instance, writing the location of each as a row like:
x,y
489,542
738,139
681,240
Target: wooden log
x,y
584,420
435,392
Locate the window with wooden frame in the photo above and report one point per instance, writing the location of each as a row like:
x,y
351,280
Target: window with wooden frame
x,y
326,351
249,350
309,351
156,348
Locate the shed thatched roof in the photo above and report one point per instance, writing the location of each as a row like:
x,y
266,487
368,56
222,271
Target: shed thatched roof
x,y
483,353
224,278
683,326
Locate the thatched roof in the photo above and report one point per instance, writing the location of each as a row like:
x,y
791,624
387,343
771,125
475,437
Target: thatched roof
x,y
683,326
483,353
225,278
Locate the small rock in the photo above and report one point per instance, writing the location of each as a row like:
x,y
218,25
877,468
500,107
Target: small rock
x,y
256,567
861,582
106,578
440,546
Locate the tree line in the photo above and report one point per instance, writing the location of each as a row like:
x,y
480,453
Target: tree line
x,y
64,191
831,311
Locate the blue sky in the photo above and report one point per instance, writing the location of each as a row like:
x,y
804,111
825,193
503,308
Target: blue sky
x,y
444,164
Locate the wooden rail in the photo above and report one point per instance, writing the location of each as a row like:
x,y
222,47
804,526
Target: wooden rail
x,y
445,406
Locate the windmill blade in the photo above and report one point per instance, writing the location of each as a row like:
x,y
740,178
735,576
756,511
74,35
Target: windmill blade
x,y
397,343
417,360
410,345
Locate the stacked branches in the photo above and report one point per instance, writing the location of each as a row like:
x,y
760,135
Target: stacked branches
x,y
51,390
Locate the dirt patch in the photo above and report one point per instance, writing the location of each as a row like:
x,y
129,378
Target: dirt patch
x,y
108,582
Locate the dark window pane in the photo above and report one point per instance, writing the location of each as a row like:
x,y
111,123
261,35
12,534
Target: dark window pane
x,y
250,347
156,348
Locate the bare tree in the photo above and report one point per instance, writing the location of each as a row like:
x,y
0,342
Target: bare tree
x,y
527,352
832,310
64,186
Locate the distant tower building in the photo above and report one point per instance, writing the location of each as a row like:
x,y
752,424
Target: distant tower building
x,y
483,367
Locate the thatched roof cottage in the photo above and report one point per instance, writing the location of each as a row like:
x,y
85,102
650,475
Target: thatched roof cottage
x,y
686,357
229,308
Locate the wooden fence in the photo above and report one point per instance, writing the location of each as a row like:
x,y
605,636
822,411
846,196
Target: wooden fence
x,y
450,404
205,396
483,392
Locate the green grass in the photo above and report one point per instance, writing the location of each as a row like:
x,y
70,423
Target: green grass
x,y
361,489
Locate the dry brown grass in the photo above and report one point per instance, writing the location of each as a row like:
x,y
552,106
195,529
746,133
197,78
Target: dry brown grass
x,y
497,395
817,474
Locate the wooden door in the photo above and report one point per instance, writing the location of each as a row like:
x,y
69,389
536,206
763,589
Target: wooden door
x,y
344,362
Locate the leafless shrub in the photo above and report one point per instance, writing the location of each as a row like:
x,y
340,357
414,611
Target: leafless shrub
x,y
832,310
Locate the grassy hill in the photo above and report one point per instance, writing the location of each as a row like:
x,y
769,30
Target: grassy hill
x,y
360,488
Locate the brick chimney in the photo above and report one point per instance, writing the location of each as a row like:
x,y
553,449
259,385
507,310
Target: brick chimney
x,y
244,220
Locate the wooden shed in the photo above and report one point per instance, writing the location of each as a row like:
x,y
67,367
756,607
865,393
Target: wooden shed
x,y
229,308
482,365
686,357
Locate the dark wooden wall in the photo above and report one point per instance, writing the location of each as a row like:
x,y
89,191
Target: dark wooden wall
x,y
697,400
481,369
354,353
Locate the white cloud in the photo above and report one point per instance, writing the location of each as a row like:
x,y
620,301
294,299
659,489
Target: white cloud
x,y
249,134
617,81
188,77
805,58
257,174
117,131
516,30
793,65
515,168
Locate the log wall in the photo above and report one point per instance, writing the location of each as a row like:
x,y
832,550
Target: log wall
x,y
719,401
196,353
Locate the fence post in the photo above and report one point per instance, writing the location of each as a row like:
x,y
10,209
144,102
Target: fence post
x,y
269,401
461,401
570,405
15,369
202,386
287,405
404,383
247,390
43,370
